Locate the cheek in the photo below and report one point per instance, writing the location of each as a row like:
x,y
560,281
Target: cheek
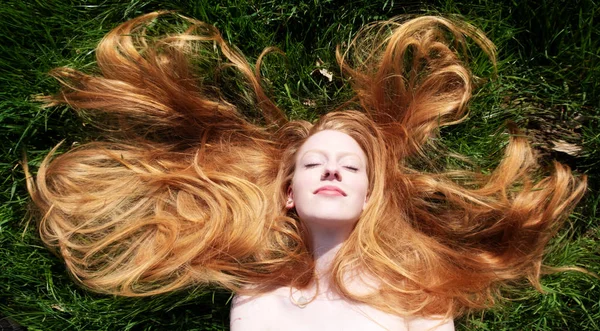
x,y
295,188
365,193
301,180
364,185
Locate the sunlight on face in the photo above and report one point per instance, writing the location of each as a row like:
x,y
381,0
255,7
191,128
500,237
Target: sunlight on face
x,y
330,182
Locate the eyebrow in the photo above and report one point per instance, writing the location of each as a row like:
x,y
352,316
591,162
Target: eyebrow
x,y
341,155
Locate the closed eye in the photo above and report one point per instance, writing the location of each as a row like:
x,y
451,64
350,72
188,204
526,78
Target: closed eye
x,y
351,168
311,165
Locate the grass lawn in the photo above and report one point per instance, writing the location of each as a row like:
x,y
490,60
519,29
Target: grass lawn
x,y
547,82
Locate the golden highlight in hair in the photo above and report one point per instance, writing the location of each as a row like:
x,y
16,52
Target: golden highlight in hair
x,y
190,191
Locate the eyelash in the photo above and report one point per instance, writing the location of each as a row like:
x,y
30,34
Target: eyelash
x,y
312,165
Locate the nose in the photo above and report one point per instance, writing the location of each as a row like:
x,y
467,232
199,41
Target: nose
x,y
331,173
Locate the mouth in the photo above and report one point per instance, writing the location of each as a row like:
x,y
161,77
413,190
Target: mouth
x,y
330,190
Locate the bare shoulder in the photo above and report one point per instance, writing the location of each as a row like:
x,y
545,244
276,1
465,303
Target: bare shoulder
x,y
275,311
430,324
253,312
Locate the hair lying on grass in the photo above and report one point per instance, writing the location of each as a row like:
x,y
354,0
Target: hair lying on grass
x,y
187,190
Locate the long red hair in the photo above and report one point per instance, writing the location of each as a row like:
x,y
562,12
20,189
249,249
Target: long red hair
x,y
191,191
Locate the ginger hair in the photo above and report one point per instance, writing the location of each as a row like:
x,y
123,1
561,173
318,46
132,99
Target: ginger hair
x,y
191,191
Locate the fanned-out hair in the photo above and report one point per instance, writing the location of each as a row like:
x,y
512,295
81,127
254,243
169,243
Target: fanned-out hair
x,y
190,191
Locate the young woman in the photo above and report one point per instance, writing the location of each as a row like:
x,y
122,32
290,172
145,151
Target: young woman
x,y
334,219
337,182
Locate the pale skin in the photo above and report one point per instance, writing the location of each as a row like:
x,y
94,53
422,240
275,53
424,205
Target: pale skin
x,y
329,191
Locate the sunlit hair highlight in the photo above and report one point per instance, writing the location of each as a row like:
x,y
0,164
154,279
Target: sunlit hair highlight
x,y
190,191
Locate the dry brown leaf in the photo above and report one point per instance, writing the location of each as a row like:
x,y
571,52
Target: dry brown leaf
x,y
565,147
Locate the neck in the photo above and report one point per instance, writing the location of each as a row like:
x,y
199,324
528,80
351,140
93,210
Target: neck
x,y
326,242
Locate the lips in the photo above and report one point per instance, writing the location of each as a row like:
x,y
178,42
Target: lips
x,y
330,190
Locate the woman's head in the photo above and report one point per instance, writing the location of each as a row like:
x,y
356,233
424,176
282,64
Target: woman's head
x,y
330,182
343,150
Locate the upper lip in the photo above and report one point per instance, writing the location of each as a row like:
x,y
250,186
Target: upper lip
x,y
329,188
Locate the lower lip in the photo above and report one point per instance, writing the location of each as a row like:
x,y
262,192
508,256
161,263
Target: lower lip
x,y
330,193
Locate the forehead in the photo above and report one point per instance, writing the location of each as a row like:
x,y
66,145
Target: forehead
x,y
331,141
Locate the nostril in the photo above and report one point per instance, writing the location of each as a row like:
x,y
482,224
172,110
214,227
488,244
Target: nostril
x,y
328,175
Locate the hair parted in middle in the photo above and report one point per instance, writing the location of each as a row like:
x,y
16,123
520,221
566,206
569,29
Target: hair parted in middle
x,y
190,191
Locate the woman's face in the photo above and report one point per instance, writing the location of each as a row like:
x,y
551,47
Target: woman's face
x,y
330,181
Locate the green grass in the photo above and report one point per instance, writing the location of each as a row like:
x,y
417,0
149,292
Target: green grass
x,y
548,83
